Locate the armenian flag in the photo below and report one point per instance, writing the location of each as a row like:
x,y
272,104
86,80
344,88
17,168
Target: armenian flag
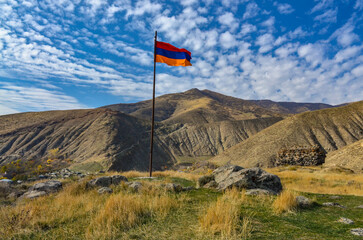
x,y
173,56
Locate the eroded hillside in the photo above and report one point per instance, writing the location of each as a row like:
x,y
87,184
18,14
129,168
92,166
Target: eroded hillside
x,y
331,129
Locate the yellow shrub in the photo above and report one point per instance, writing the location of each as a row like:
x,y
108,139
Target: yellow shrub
x,y
285,202
224,217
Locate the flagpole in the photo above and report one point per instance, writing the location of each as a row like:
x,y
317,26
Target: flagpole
x,y
152,116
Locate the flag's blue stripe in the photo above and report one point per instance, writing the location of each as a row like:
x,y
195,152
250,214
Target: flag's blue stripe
x,y
172,54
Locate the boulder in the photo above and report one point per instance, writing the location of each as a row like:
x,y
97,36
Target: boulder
x,y
104,190
258,192
117,179
101,182
48,187
250,178
106,181
135,186
303,202
345,220
33,194
360,206
224,172
357,231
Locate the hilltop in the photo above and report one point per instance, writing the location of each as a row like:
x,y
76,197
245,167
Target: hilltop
x,y
204,106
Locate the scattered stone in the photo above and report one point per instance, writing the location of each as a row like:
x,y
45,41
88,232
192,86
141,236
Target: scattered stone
x,y
48,187
332,204
230,176
335,197
345,220
104,190
258,192
173,187
357,231
34,194
135,186
106,181
303,202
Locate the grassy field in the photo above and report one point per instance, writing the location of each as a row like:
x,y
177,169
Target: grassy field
x,y
153,213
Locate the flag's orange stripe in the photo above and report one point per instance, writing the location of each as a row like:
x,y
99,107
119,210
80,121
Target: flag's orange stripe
x,y
173,62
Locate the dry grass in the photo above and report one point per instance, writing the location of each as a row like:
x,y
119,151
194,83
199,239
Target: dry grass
x,y
285,202
48,212
318,180
86,213
224,217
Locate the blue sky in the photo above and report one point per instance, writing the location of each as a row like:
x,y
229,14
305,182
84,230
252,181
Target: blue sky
x,y
67,54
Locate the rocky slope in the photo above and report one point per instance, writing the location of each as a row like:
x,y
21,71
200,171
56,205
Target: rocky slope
x,y
101,137
331,129
350,156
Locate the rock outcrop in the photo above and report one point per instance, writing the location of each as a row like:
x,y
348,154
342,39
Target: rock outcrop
x,y
227,177
301,156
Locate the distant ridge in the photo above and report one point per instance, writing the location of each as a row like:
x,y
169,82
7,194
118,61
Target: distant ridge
x,y
331,129
205,106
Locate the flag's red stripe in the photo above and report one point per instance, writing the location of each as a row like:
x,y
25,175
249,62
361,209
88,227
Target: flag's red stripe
x,y
170,47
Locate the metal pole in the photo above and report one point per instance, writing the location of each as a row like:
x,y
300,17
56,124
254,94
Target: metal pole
x,y
152,116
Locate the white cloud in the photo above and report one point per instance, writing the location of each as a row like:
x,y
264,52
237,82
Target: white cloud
x,y
358,71
227,40
269,23
247,28
358,4
313,53
18,98
321,5
252,10
188,2
330,16
284,8
6,110
229,20
265,42
345,35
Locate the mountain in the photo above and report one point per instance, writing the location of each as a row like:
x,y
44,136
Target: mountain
x,y
350,156
191,126
331,129
94,138
291,107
